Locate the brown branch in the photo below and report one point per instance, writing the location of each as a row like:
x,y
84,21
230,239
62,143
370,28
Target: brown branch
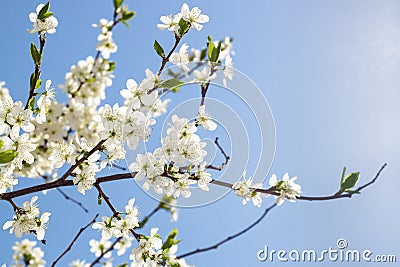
x,y
116,214
227,158
229,238
107,200
165,59
74,240
61,183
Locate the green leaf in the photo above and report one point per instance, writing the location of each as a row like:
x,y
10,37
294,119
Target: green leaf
x,y
44,10
159,49
343,173
35,54
32,81
126,24
173,84
170,241
127,15
111,65
203,54
1,144
38,83
184,26
117,3
31,103
123,265
349,181
7,156
46,15
211,48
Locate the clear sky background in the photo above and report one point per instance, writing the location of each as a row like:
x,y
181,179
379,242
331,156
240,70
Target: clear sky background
x,y
330,72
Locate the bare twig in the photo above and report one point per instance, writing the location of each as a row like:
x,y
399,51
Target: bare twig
x,y
227,158
107,200
72,200
74,240
229,238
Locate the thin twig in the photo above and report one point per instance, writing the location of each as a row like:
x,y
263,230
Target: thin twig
x,y
72,200
116,214
74,240
227,158
229,238
166,59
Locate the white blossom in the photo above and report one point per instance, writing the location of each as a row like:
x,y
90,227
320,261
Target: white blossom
x,y
181,58
169,22
99,247
246,189
42,26
106,44
194,16
204,119
44,103
287,187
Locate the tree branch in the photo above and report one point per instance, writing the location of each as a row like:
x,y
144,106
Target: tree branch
x,y
74,240
229,238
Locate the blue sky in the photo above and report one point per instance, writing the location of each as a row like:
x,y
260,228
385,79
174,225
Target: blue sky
x,y
329,70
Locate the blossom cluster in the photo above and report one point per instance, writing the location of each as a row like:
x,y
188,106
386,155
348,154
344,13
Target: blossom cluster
x,y
286,189
153,252
26,253
181,149
27,220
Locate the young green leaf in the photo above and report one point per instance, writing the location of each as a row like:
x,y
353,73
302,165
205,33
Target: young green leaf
x,y
31,103
173,84
46,15
43,11
349,181
184,27
343,173
1,144
127,15
32,81
35,54
203,54
7,156
170,240
38,84
158,48
117,3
